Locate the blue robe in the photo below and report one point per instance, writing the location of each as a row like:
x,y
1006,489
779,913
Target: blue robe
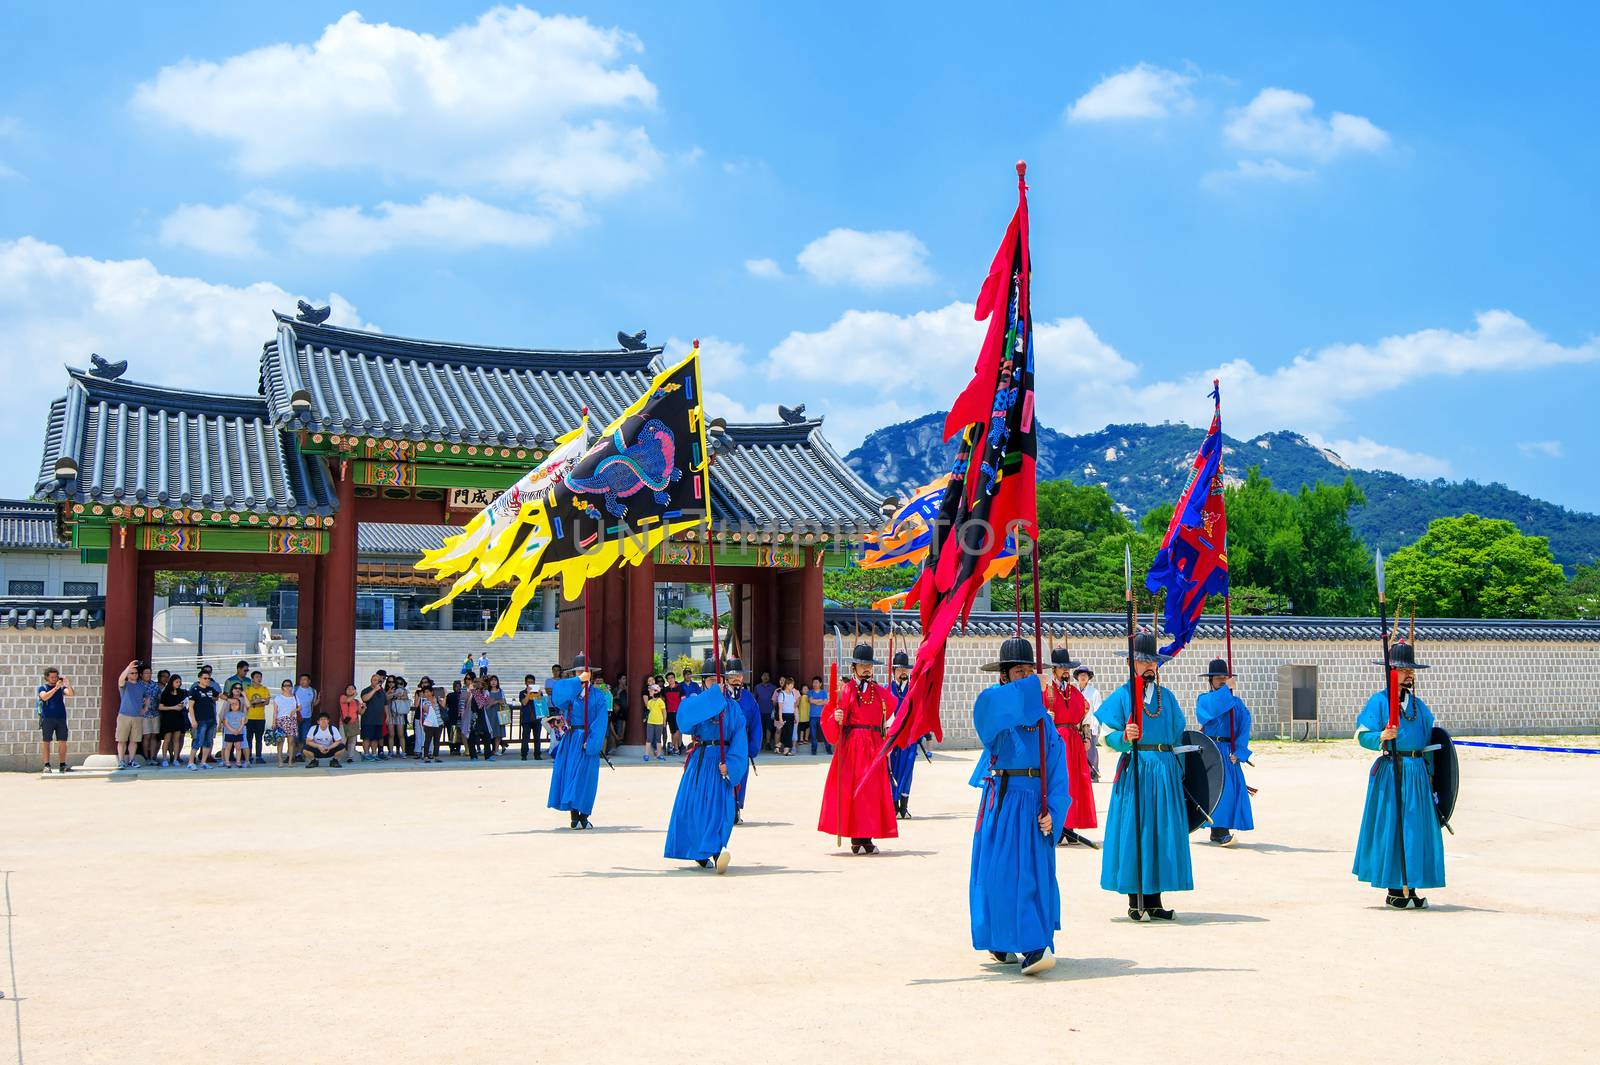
x,y
703,813
1377,848
1012,892
575,777
752,727
1220,715
902,760
1163,824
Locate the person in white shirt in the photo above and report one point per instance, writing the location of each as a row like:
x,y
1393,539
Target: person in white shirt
x,y
286,719
1083,677
324,741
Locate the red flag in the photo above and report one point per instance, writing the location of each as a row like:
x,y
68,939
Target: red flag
x,y
992,482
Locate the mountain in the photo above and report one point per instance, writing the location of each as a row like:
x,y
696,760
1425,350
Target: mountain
x,y
1144,466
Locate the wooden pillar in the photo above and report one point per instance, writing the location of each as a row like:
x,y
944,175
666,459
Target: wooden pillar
x,y
308,629
336,607
763,634
144,612
641,649
122,628
811,615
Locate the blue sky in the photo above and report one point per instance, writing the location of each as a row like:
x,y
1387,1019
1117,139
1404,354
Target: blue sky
x,y
1377,224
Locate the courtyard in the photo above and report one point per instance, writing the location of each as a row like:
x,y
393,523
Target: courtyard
x,y
442,914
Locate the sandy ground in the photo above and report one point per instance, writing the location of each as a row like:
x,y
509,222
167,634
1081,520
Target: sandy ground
x,y
442,914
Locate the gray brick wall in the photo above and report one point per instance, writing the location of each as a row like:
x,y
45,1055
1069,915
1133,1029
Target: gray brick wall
x,y
1474,687
24,654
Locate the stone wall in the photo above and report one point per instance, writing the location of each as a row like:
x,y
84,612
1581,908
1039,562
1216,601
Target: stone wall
x,y
24,655
1474,687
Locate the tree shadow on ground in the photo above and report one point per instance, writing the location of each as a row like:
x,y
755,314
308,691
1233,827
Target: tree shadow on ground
x,y
625,873
1069,969
564,830
1280,848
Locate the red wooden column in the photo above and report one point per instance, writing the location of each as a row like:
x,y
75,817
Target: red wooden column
x,y
811,615
308,628
641,641
144,611
122,629
764,637
336,597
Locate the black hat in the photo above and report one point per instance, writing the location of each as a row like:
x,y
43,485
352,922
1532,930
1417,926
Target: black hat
x,y
708,666
1145,650
1403,656
1013,652
579,663
863,656
1082,668
1218,668
1061,658
732,666
902,660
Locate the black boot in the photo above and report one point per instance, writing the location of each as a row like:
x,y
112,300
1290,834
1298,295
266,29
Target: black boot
x,y
1155,909
1396,899
1136,907
573,819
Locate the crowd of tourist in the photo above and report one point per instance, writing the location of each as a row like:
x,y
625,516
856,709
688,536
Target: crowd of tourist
x,y
165,720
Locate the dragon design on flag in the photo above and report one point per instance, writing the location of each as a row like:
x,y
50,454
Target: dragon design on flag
x,y
645,464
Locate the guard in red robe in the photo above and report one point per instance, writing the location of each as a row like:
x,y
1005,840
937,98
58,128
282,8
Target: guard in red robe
x,y
1068,708
857,800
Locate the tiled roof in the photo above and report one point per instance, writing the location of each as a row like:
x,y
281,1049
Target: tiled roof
x,y
52,612
350,381
29,526
1000,624
787,474
124,442
381,538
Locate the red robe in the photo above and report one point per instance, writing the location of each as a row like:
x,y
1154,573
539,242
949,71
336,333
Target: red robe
x,y
857,802
1068,708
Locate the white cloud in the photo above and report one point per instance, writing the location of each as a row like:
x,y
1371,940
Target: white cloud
x,y
9,174
56,308
1142,91
872,260
438,221
1368,454
1257,172
1281,122
226,230
515,100
767,268
722,361
1550,449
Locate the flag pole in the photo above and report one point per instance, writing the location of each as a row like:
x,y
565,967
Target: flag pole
x,y
1392,691
1038,665
1135,714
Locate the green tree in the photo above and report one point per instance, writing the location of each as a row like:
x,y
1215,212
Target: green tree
x,y
252,589
1472,567
1580,598
1299,546
857,587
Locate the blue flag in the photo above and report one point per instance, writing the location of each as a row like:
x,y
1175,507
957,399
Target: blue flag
x,y
1193,560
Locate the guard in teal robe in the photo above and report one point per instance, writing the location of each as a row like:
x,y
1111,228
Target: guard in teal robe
x,y
1400,854
1158,847
1012,892
575,776
703,813
1223,716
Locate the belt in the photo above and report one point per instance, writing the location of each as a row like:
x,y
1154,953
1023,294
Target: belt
x,y
1411,754
710,743
1167,747
869,728
1015,772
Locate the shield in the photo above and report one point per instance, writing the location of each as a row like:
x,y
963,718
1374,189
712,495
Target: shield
x,y
1202,778
1446,773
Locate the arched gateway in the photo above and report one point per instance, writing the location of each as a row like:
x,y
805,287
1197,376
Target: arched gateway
x,y
349,426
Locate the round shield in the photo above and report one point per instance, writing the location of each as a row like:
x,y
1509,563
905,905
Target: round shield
x,y
1202,778
1446,775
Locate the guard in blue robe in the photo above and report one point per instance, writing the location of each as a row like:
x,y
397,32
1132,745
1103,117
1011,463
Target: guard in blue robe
x,y
743,698
902,760
1382,859
575,776
1161,853
1012,892
1223,716
704,812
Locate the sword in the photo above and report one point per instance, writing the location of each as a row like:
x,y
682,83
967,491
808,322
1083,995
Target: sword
x,y
921,747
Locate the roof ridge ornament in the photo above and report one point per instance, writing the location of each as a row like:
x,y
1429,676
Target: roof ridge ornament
x,y
312,315
104,369
633,341
792,415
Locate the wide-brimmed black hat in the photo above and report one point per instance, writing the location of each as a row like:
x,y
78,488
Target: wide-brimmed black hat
x,y
902,660
1013,652
1145,649
580,662
863,656
1218,668
732,667
1404,656
1061,658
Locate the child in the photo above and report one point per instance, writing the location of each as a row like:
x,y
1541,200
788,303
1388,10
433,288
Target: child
x,y
655,724
234,715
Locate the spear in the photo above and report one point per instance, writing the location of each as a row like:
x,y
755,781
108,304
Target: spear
x,y
1135,715
1391,688
838,748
